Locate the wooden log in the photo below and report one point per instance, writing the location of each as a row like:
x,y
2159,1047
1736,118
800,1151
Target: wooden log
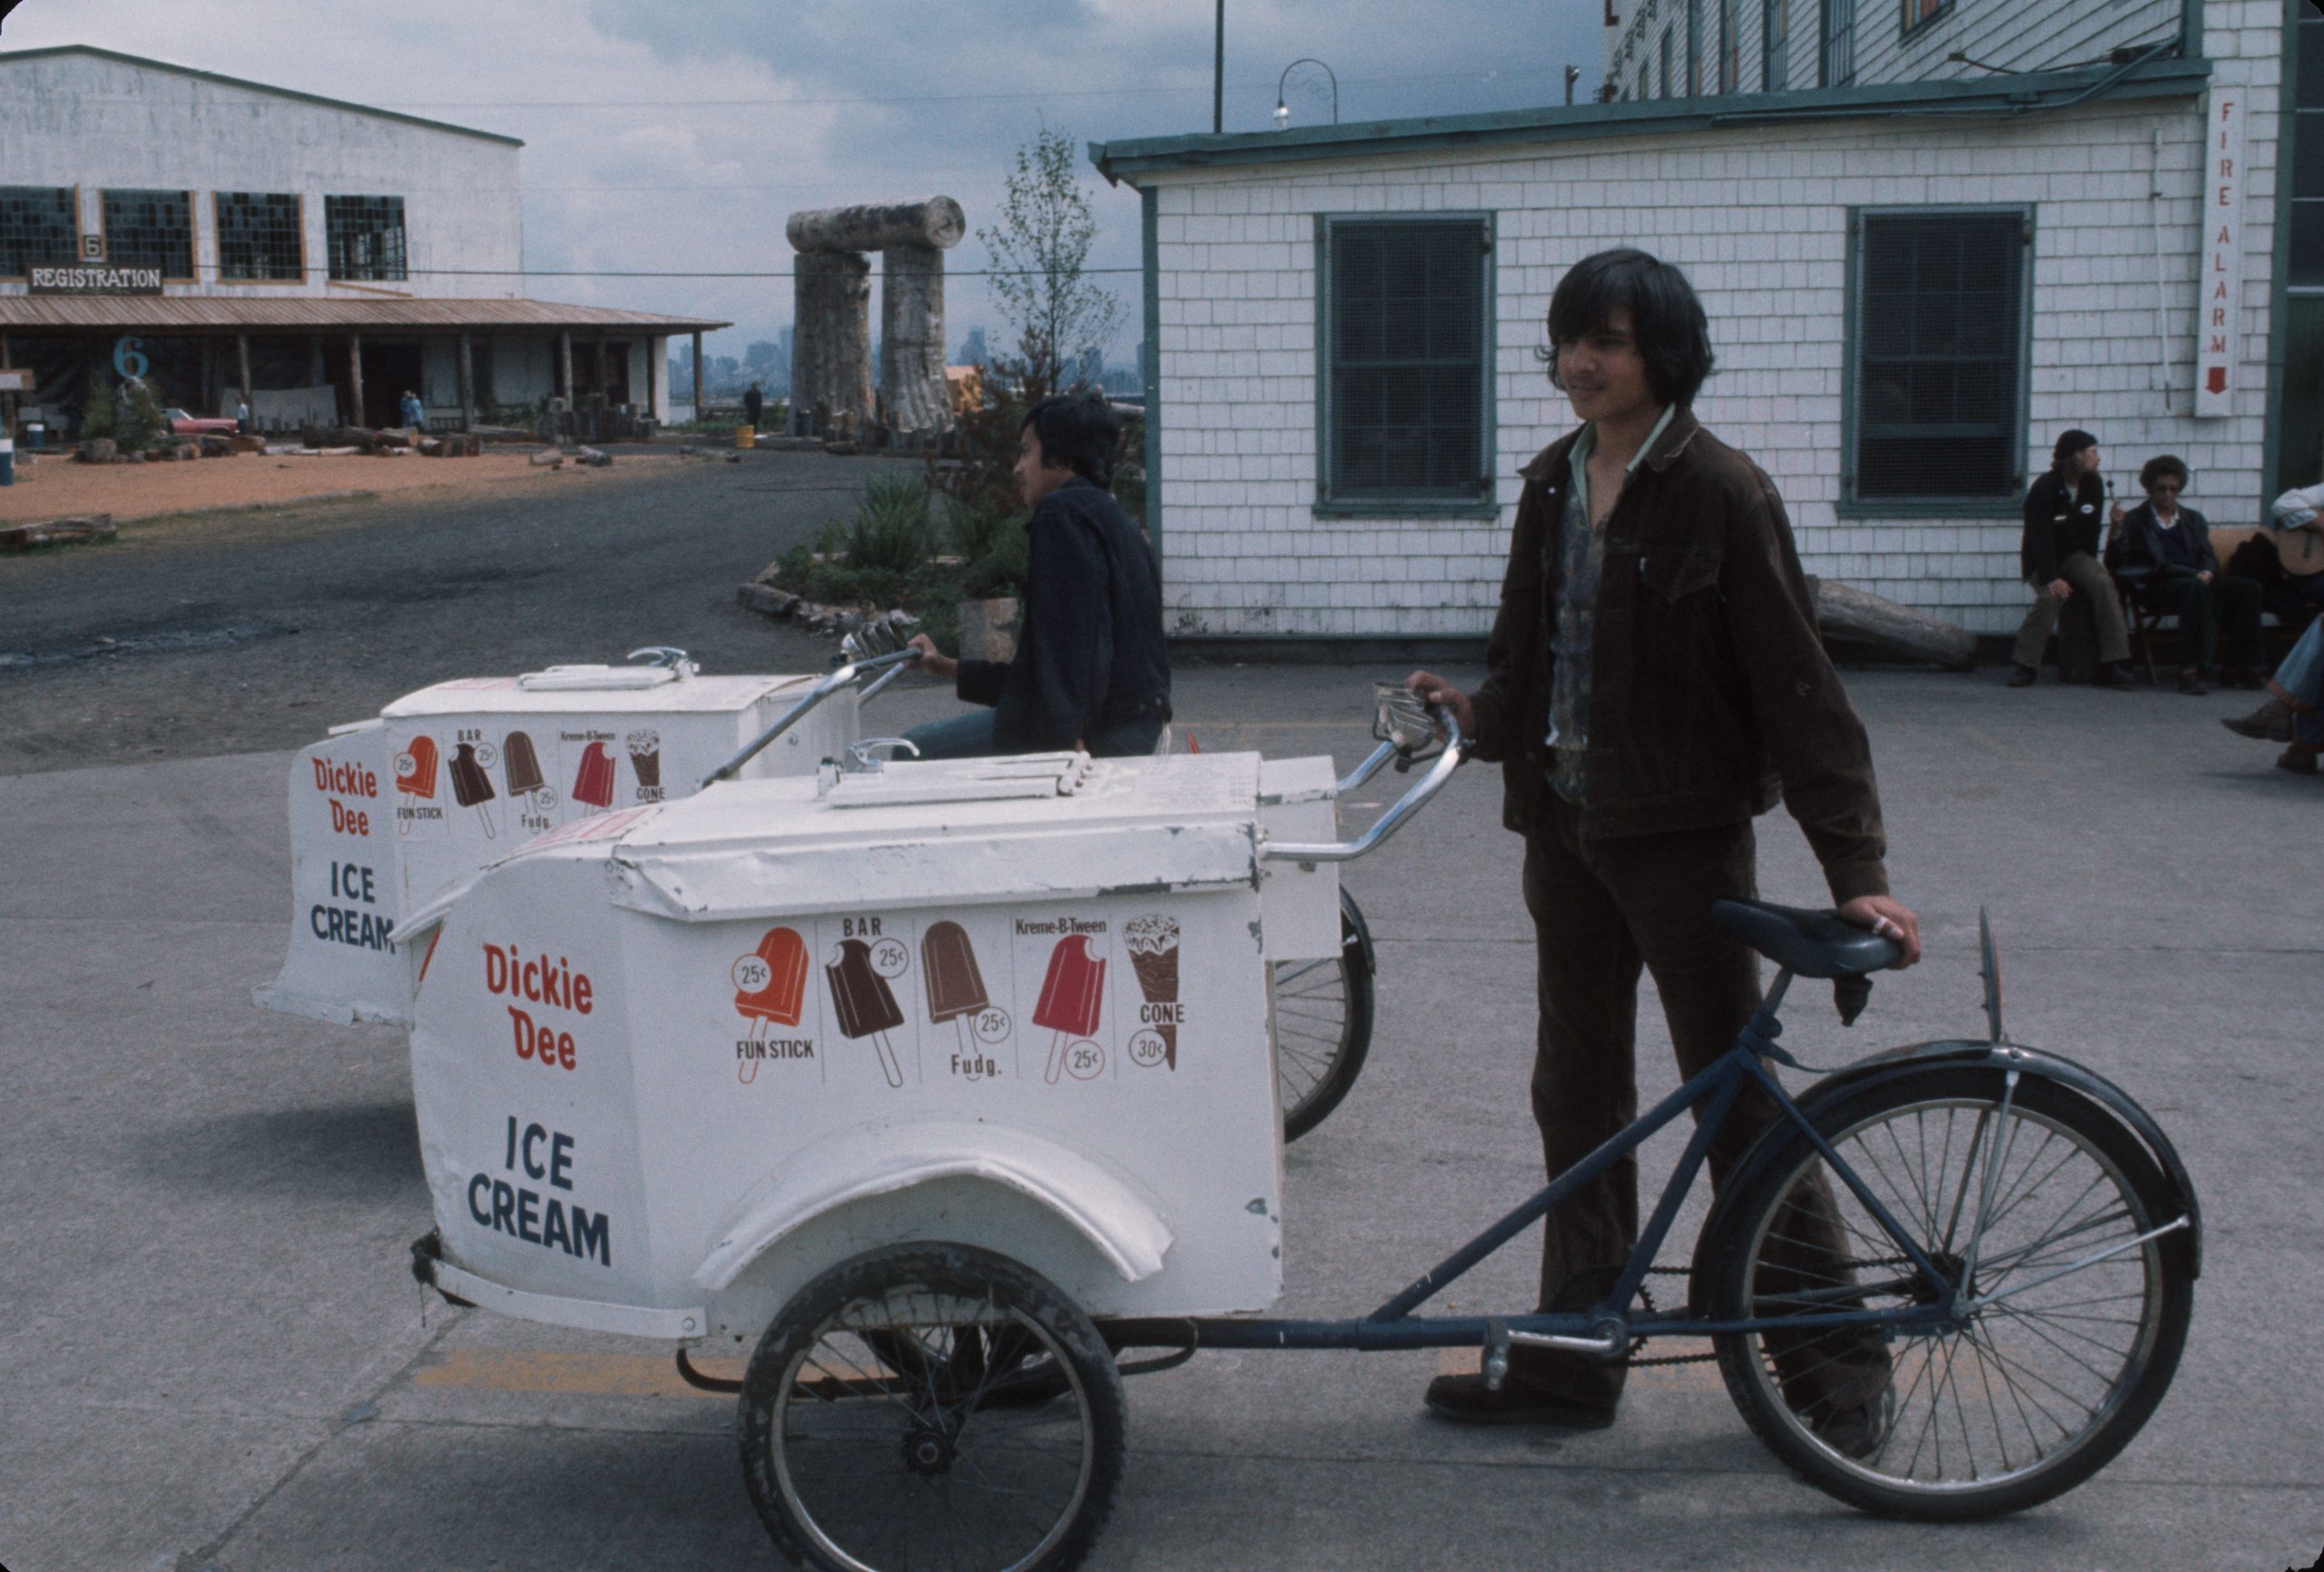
x,y
49,531
1860,617
913,388
934,222
831,345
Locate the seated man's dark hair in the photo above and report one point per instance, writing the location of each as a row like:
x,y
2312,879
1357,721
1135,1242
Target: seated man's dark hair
x,y
1076,431
2163,463
1665,318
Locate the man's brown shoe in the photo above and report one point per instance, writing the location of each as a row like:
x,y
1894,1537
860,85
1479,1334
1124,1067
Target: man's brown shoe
x,y
1466,1399
2023,677
2299,759
2271,723
2190,681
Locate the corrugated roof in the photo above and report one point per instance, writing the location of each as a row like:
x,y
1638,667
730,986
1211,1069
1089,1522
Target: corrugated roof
x,y
308,314
224,80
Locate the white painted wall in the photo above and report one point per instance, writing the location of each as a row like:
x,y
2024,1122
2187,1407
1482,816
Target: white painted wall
x,y
2018,35
1758,219
79,120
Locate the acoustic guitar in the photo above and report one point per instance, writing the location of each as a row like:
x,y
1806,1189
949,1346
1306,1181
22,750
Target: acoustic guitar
x,y
2302,550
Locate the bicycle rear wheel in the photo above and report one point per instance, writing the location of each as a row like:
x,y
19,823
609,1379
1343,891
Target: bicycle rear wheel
x,y
2067,1349
1323,1024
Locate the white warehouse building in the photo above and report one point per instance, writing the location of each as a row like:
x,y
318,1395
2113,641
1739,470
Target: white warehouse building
x,y
1930,235
225,238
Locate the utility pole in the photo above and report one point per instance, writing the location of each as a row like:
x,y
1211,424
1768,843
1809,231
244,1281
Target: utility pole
x,y
1218,75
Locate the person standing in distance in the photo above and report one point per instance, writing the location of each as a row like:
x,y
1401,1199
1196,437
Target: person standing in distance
x,y
1655,680
2058,556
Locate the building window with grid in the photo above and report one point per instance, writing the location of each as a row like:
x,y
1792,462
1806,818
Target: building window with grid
x,y
1404,363
1937,359
1774,46
258,237
36,227
149,229
364,236
1694,47
1839,63
1729,55
1666,63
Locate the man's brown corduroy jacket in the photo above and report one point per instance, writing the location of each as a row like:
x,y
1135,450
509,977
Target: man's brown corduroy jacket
x,y
1711,694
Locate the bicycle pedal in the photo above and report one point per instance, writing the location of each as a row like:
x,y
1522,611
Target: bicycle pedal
x,y
1495,1363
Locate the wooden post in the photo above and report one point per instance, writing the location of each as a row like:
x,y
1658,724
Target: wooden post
x,y
601,401
468,382
355,377
8,400
242,374
564,369
697,376
211,393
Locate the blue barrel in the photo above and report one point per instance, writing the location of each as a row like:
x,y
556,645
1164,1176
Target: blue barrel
x,y
35,437
8,462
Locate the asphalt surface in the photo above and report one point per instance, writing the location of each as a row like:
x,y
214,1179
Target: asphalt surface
x,y
214,1356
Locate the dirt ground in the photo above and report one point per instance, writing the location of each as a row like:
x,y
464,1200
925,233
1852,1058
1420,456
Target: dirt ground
x,y
55,487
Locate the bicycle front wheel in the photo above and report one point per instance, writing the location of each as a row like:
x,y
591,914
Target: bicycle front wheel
x,y
1323,1024
2074,1332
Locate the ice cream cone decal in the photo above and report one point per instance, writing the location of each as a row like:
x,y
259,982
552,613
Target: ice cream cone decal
x,y
865,1006
779,966
593,783
645,747
1153,945
416,782
1072,994
473,788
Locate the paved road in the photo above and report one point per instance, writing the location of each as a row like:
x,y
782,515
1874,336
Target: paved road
x,y
214,1359
232,633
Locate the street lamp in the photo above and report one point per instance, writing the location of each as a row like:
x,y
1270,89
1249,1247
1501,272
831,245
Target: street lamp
x,y
1283,110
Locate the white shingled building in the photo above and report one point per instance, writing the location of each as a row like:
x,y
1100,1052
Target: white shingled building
x,y
1930,235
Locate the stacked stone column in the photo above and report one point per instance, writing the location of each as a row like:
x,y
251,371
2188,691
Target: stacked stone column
x,y
831,370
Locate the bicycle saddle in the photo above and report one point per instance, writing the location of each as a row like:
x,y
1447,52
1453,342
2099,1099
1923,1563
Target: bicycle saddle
x,y
1809,943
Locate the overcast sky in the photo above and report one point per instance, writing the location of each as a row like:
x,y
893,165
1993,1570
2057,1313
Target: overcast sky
x,y
679,136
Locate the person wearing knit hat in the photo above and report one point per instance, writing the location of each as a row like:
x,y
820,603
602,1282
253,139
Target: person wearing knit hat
x,y
2058,558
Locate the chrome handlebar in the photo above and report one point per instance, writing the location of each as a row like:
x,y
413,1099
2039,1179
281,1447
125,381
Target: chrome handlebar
x,y
1405,807
814,696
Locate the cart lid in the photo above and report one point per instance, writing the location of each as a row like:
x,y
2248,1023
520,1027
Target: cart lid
x,y
601,689
945,833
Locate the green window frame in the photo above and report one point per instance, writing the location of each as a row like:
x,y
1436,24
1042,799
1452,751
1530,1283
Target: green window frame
x,y
1774,46
1919,13
1837,58
1938,357
1404,407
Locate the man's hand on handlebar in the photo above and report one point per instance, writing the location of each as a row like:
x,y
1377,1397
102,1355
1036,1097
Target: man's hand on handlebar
x,y
931,659
1431,689
1889,919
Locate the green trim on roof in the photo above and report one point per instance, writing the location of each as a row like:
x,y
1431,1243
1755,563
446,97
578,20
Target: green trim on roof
x,y
221,80
2007,95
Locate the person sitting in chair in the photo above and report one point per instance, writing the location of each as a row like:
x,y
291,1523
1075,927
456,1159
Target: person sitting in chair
x,y
2161,554
1090,670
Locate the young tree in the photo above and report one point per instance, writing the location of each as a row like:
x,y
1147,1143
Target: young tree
x,y
1039,251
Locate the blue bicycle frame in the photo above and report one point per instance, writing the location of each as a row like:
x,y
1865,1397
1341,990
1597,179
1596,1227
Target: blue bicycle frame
x,y
1605,1330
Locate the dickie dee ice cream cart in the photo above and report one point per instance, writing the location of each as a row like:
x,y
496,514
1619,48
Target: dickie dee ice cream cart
x,y
935,1088
387,814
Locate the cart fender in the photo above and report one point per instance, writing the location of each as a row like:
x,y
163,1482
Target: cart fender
x,y
1894,1062
1122,1226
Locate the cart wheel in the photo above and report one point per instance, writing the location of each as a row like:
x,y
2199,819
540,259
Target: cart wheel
x,y
932,1405
1323,1024
2074,1334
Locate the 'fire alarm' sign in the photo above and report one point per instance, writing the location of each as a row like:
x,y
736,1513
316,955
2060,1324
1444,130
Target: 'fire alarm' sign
x,y
2219,286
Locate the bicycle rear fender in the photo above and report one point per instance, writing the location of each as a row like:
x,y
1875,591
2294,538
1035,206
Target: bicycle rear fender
x,y
1892,1062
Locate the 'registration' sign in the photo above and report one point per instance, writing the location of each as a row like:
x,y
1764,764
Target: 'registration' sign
x,y
2219,287
95,280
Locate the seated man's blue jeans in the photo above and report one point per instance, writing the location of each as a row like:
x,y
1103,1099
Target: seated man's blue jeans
x,y
969,736
2302,676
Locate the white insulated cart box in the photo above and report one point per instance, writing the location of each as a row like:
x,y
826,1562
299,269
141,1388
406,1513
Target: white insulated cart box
x,y
667,1070
388,814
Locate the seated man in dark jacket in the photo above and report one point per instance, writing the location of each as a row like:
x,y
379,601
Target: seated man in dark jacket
x,y
1090,670
2161,553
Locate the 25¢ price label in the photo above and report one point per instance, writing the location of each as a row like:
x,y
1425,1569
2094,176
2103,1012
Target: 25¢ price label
x,y
990,1026
889,958
752,974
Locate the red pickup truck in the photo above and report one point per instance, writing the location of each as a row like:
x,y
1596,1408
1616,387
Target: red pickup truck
x,y
184,425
